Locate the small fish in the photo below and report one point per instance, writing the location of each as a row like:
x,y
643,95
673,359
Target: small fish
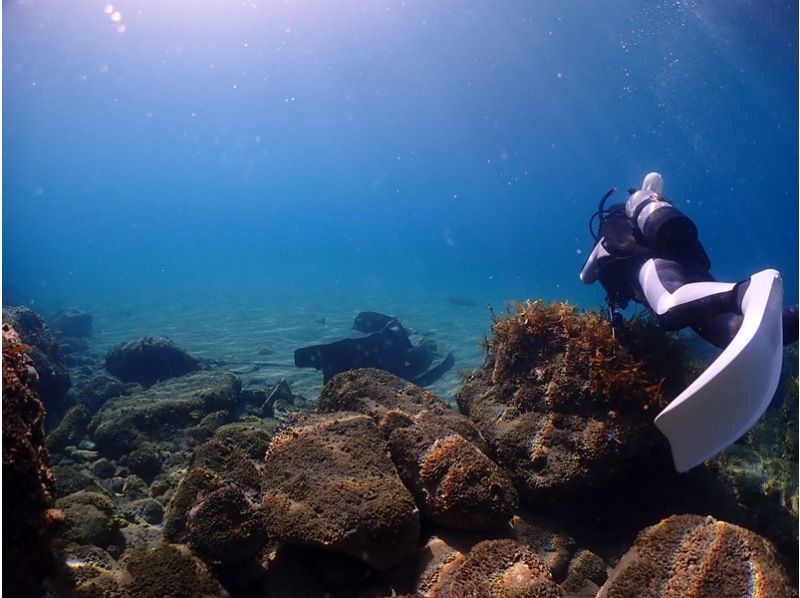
x,y
17,349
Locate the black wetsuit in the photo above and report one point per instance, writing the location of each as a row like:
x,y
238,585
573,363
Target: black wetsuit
x,y
670,239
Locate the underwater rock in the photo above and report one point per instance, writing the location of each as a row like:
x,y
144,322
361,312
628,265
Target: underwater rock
x,y
379,393
163,412
551,544
196,484
232,465
434,563
168,571
225,527
497,568
69,345
144,461
331,484
252,436
149,360
53,380
71,478
89,519
28,483
147,510
564,405
98,390
70,430
454,483
687,556
103,468
587,572
72,322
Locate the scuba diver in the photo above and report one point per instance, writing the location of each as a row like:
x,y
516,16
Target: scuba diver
x,y
648,251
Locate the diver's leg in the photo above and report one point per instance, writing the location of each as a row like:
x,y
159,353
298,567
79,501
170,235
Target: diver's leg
x,y
682,296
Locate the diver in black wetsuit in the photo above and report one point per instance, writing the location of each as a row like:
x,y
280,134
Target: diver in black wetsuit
x,y
648,251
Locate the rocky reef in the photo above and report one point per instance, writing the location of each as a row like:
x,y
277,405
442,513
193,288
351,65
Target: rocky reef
x,y
550,480
53,380
29,518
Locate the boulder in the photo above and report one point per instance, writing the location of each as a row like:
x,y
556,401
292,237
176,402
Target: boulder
x,y
70,430
586,573
379,393
552,544
163,413
226,527
149,360
494,568
195,485
168,571
28,483
438,452
90,520
565,405
72,322
455,484
329,483
98,390
252,436
687,556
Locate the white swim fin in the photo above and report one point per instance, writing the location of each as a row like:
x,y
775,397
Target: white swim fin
x,y
735,390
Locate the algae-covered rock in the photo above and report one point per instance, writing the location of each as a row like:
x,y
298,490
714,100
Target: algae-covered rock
x,y
53,378
687,556
502,568
586,573
455,484
163,412
565,405
226,527
98,390
149,360
28,484
168,571
147,510
232,465
331,484
144,461
379,393
251,436
438,452
551,543
70,430
71,478
194,486
90,520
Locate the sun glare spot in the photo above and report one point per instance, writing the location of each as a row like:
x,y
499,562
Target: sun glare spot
x,y
116,17
108,9
121,28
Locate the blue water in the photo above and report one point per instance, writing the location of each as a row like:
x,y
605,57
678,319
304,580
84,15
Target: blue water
x,y
406,149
